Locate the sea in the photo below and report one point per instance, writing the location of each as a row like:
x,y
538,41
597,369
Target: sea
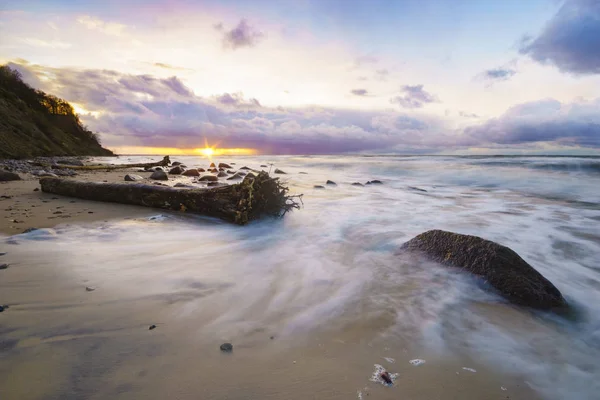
x,y
332,269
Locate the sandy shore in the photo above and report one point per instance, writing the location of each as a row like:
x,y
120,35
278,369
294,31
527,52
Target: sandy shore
x,y
61,341
23,207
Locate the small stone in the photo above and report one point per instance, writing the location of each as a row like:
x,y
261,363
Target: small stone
x,y
176,170
278,171
36,189
227,347
272,337
303,173
2,308
264,166
133,178
201,170
90,212
330,183
223,165
385,376
222,174
57,212
3,266
212,165
357,184
3,254
210,178
89,289
6,176
246,168
417,189
176,163
375,182
151,327
159,176
319,187
237,175
191,172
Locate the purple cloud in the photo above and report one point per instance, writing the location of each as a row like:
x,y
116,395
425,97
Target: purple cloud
x,y
414,97
359,92
570,40
243,35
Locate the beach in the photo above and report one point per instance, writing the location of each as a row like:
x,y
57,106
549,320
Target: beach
x,y
312,303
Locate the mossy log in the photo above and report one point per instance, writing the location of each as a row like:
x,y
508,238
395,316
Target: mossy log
x,y
251,199
107,167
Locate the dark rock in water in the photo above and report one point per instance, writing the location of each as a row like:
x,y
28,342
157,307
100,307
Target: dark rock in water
x,y
375,182
212,165
303,173
77,163
201,170
152,327
246,168
330,182
237,175
36,189
159,176
222,174
3,254
191,172
2,308
3,266
230,171
158,169
6,176
278,171
28,230
176,170
272,337
227,347
357,184
385,376
133,178
213,170
210,178
223,165
498,265
417,189
242,173
89,289
319,187
264,166
176,163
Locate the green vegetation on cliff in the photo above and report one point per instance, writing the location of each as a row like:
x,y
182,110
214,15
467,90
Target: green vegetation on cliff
x,y
33,123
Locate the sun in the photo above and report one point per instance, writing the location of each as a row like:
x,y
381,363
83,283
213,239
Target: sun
x,y
207,151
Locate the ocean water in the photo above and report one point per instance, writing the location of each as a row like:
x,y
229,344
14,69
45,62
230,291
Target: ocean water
x,y
332,266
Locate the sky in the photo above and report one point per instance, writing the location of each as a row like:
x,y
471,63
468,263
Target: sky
x,y
318,76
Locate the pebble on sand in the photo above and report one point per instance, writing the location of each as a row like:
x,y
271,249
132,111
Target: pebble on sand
x,y
3,266
152,327
226,347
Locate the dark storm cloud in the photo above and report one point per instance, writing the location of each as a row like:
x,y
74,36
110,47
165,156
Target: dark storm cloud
x,y
243,35
413,97
570,40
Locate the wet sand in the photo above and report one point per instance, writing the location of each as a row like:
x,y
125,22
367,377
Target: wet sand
x,y
59,340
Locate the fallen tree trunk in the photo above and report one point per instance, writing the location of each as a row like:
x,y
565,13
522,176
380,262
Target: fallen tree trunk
x,y
240,203
163,163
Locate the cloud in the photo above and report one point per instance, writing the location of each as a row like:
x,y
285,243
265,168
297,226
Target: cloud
x,y
549,120
54,44
498,74
365,60
570,40
360,92
243,35
381,74
108,28
237,100
414,97
144,110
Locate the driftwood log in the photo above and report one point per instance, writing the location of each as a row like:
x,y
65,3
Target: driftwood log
x,y
240,203
162,163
